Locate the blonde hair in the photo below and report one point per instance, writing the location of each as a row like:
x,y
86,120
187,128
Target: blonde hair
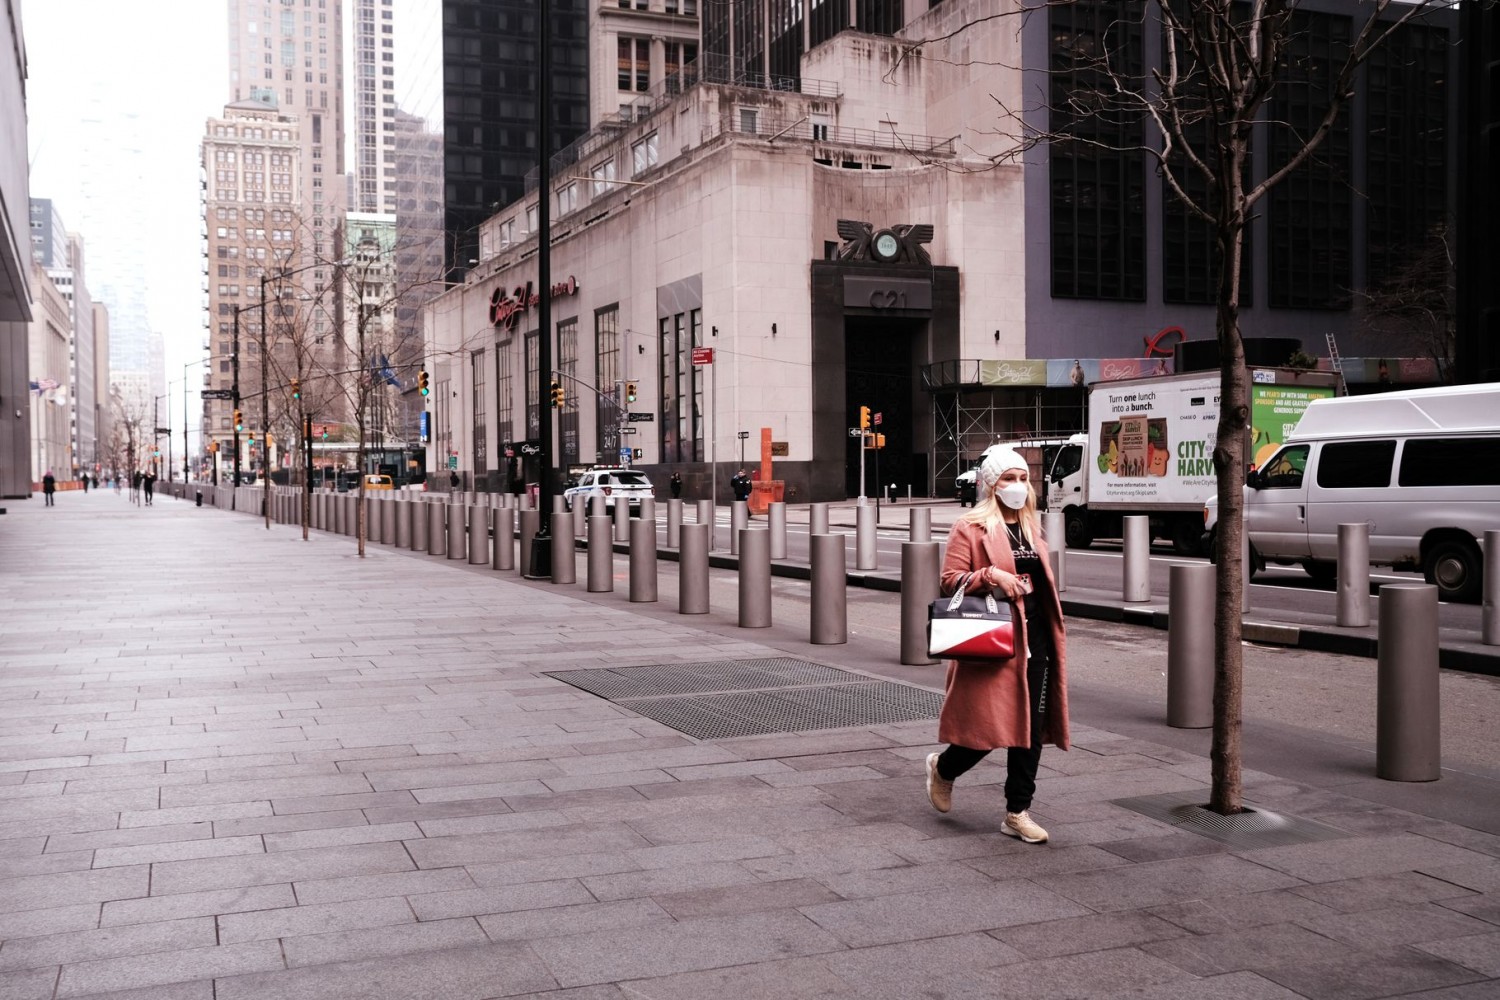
x,y
988,512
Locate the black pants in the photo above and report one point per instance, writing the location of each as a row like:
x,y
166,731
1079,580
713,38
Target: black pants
x,y
1021,763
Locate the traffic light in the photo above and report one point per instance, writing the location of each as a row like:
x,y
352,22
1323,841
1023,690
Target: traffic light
x,y
422,383
213,447
325,434
630,392
864,418
239,421
296,388
879,440
557,394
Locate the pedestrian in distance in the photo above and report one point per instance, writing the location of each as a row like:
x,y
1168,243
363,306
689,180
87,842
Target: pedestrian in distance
x,y
135,487
85,482
453,480
676,484
148,481
740,483
1017,704
49,488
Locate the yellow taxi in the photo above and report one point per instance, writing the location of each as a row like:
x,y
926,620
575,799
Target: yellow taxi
x,y
373,482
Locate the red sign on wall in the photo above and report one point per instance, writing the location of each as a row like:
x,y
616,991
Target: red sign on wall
x,y
506,306
703,355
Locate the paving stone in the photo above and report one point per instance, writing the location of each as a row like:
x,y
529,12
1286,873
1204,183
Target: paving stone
x,y
686,946
29,984
1094,932
335,803
1481,875
1378,892
1331,860
45,864
912,878
287,824
1392,972
792,979
1153,884
285,866
345,888
1229,912
133,837
1029,862
546,869
196,904
732,848
1377,929
341,836
1232,986
1099,973
561,921
40,892
830,862
1256,949
439,852
201,989
917,915
193,814
740,898
107,942
54,920
107,857
500,899
457,974
1480,952
1486,908
139,971
313,918
377,942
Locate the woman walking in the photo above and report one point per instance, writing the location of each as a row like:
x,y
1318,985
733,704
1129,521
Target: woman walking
x,y
1019,703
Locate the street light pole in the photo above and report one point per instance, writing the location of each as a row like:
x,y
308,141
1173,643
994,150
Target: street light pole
x,y
235,392
540,562
265,410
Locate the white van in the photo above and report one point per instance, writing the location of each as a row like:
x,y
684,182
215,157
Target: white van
x,y
1421,467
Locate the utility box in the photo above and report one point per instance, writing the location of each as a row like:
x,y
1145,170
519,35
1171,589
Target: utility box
x,y
764,492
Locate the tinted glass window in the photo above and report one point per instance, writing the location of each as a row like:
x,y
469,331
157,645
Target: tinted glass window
x,y
1450,462
1068,461
1284,470
1353,464
632,479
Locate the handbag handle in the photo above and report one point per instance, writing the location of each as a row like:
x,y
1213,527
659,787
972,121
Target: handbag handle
x,y
958,596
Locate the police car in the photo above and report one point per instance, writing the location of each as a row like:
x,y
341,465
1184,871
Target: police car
x,y
612,484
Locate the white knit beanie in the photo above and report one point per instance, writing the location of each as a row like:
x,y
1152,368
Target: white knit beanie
x,y
998,462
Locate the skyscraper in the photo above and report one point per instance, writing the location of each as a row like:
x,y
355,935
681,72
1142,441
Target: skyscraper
x,y
374,107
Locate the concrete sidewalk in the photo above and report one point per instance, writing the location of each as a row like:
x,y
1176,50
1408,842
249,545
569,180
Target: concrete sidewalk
x,y
240,765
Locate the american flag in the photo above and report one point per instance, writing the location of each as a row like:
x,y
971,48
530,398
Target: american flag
x,y
40,385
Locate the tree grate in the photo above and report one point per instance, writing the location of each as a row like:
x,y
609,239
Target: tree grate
x,y
1254,828
722,699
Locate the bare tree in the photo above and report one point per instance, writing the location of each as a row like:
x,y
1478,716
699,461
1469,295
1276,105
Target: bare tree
x,y
1222,63
1420,297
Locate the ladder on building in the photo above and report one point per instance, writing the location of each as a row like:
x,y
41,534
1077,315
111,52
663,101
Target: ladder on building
x,y
1336,362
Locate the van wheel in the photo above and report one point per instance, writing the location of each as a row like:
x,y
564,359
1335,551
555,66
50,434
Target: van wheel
x,y
1076,529
1453,566
1323,573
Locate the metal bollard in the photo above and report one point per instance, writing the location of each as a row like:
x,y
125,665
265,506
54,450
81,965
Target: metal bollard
x,y
401,530
1137,549
1054,533
1190,647
921,576
674,523
457,528
919,525
817,519
739,520
564,552
388,520
1489,613
776,521
1408,736
601,555
866,555
692,570
755,577
336,515
559,504
503,521
828,623
642,560
580,513
707,515
351,510
419,526
530,520
479,536
374,518
437,533
1353,607
647,510
622,521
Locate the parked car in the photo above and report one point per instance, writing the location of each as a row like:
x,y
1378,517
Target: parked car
x,y
611,484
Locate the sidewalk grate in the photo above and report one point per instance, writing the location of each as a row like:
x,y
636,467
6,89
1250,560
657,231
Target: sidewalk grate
x,y
727,698
1249,830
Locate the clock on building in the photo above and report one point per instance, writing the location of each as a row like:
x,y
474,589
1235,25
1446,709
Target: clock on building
x,y
885,246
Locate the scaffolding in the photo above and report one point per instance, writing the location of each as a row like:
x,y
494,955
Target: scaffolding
x,y
968,419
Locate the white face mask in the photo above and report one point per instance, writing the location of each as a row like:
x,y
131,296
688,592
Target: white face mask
x,y
1014,495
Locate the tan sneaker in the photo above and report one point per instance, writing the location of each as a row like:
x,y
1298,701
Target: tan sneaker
x,y
939,792
1023,826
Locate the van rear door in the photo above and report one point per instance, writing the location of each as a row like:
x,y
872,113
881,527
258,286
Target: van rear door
x,y
1352,485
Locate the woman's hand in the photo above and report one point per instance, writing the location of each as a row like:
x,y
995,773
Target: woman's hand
x,y
1009,584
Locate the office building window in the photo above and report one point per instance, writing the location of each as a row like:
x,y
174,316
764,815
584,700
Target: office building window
x,y
634,64
681,384
504,398
1310,211
481,457
1097,189
607,368
533,414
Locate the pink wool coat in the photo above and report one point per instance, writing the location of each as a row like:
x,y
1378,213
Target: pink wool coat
x,y
987,701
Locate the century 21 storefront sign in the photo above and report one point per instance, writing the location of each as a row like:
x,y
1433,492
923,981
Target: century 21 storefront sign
x,y
505,306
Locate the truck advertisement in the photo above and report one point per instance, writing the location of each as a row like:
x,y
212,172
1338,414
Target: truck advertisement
x,y
1148,450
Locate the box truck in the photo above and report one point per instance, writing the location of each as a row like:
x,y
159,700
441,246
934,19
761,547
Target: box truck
x,y
1148,450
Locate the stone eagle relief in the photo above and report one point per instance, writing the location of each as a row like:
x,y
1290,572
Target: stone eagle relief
x,y
863,242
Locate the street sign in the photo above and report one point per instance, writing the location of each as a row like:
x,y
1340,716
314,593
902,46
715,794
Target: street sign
x,y
164,430
855,432
627,430
625,454
703,355
641,418
216,394
452,461
879,419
